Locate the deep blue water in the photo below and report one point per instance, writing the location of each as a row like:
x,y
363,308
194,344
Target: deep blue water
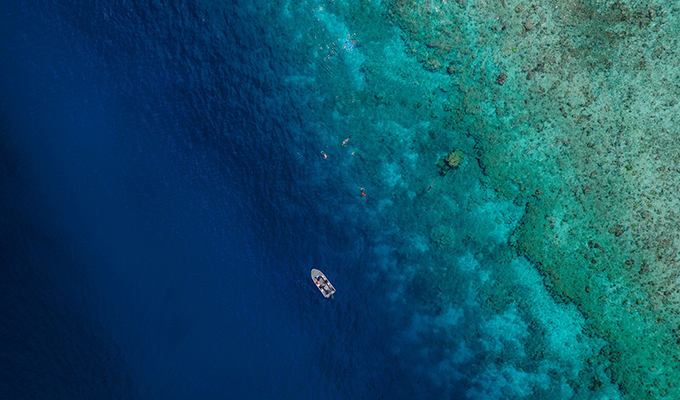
x,y
157,230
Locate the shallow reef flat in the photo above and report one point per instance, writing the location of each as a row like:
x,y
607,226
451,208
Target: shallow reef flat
x,y
575,107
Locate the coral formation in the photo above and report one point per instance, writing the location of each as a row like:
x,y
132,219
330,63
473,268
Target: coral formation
x,y
443,236
453,160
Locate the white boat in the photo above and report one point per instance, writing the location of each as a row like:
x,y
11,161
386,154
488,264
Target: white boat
x,y
322,283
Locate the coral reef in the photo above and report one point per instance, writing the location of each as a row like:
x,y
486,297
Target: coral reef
x,y
453,160
443,236
590,138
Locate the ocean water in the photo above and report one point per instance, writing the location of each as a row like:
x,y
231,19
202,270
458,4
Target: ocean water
x,y
170,171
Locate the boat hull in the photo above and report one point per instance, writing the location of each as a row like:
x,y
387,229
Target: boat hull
x,y
322,283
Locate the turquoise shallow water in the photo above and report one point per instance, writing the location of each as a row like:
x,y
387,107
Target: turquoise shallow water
x,y
571,106
174,170
475,317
